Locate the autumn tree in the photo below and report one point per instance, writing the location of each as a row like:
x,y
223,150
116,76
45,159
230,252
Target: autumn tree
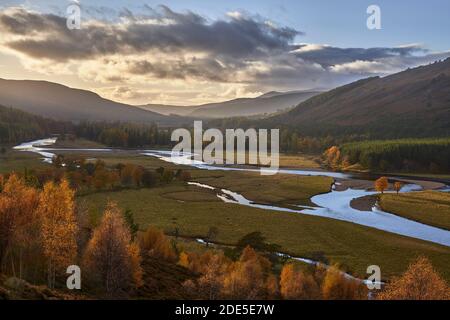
x,y
138,173
100,178
18,219
157,245
381,184
332,157
419,282
110,255
210,284
247,277
127,174
58,227
336,286
297,285
397,186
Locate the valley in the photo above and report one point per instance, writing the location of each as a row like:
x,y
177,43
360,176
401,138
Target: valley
x,y
191,210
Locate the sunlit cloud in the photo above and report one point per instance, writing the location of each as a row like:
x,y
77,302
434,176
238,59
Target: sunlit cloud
x,y
238,55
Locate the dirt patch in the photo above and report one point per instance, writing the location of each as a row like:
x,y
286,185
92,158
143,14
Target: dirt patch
x,y
365,203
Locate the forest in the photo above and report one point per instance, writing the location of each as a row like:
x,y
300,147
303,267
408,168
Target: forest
x,y
18,126
420,155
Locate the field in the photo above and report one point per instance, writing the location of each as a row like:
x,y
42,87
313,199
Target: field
x,y
194,210
17,161
428,207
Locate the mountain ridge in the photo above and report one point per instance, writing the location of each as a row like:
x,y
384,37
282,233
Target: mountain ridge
x,y
415,100
60,102
267,103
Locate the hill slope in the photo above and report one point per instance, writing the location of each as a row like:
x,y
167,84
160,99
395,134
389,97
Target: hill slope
x,y
415,102
63,103
270,102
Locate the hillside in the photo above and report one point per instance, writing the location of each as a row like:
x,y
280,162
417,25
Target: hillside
x,y
415,102
59,102
267,103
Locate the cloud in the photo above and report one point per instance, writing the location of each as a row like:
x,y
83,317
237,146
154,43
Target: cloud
x,y
236,55
164,30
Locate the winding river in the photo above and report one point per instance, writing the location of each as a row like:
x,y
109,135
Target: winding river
x,y
333,205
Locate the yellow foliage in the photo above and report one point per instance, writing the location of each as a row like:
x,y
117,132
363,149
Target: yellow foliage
x,y
58,227
111,256
295,285
336,286
381,184
157,245
419,282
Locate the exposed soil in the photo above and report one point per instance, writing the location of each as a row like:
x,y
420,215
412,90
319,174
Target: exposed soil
x,y
364,203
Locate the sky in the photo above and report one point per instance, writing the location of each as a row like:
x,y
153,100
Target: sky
x,y
187,52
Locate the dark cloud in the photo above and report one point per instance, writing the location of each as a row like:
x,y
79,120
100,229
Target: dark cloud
x,y
330,56
169,31
208,69
164,44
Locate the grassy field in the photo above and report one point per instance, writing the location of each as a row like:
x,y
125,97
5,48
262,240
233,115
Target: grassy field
x,y
77,143
428,207
294,161
282,189
17,161
193,210
355,247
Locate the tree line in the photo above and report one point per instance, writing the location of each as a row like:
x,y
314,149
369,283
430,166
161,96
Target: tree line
x,y
92,176
124,134
408,155
18,126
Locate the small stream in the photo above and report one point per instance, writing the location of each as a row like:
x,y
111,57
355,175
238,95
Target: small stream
x,y
334,204
304,260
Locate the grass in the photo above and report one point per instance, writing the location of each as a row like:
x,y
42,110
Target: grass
x,y
294,161
354,246
77,143
282,189
299,161
193,210
17,161
429,207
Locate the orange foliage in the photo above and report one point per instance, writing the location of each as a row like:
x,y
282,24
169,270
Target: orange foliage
x,y
111,256
18,204
157,245
381,184
58,227
296,285
336,286
333,157
397,186
247,278
419,282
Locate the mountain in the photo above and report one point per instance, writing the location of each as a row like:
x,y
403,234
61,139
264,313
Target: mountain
x,y
59,102
267,103
415,102
168,110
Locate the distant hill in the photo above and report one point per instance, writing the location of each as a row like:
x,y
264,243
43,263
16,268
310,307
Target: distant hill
x,y
168,110
267,103
59,102
415,102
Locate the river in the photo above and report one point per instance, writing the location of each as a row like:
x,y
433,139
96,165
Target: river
x,y
333,205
